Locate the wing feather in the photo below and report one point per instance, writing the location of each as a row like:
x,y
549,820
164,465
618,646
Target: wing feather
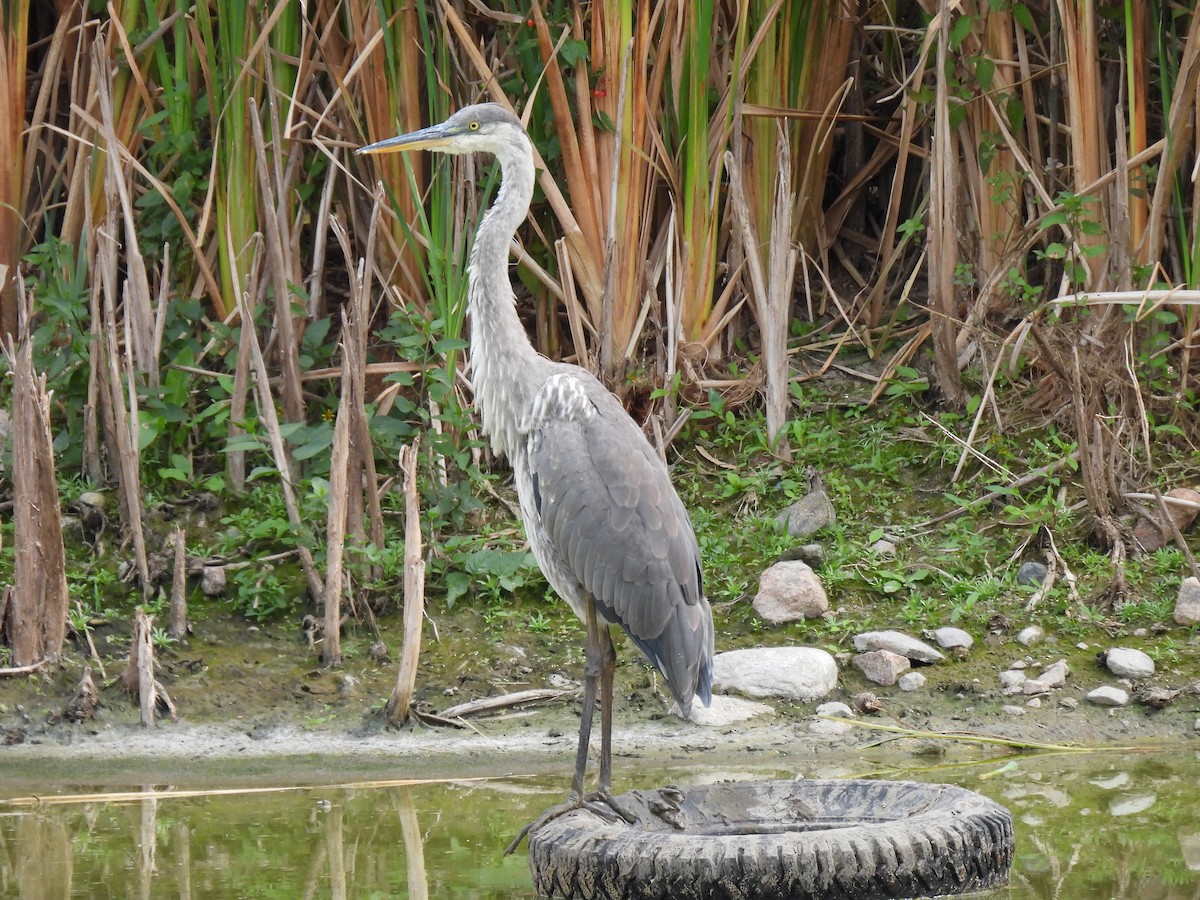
x,y
618,528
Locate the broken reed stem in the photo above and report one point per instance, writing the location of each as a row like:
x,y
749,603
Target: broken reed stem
x,y
968,737
177,626
141,657
36,613
414,590
339,477
270,421
192,793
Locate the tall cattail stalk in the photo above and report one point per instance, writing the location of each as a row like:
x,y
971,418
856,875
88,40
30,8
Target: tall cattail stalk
x,y
12,151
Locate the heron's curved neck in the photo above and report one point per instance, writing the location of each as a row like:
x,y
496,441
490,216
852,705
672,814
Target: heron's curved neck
x,y
499,345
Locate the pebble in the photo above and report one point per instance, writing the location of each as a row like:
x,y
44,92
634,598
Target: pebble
x,y
1034,703
1081,646
790,591
1187,604
1031,572
882,666
1034,634
1109,696
1019,664
911,681
824,726
1013,710
1068,703
950,638
883,547
1125,662
899,643
1056,675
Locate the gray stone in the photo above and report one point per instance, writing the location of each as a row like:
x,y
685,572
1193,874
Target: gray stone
x,y
911,681
1125,662
1018,664
1032,686
792,673
1012,680
883,547
882,666
790,591
824,726
949,638
724,711
1034,703
1032,572
1013,710
1068,703
1187,604
813,554
810,513
899,643
213,580
1055,675
1109,696
1034,634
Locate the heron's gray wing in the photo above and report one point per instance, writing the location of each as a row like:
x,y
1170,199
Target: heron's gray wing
x,y
607,507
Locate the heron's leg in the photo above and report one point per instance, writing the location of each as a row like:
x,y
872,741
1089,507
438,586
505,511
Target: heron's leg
x,y
608,668
592,678
593,671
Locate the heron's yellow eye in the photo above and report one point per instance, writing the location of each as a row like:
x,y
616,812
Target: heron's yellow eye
x,y
474,126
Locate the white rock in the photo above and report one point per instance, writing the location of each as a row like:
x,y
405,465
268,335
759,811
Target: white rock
x,y
1011,681
1109,696
911,681
882,666
1034,686
1013,710
1055,675
1111,784
1125,662
883,547
824,726
897,642
790,591
727,711
1189,847
793,673
1034,634
1034,702
948,638
1068,703
1129,806
1019,664
1187,604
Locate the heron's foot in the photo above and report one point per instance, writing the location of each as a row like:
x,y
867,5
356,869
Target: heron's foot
x,y
601,803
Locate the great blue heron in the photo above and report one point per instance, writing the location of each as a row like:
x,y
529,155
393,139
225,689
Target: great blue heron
x,y
605,524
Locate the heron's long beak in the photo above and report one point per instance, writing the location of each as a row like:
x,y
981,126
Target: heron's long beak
x,y
430,138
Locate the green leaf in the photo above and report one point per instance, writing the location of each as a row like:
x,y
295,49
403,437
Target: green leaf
x,y
959,31
985,73
457,584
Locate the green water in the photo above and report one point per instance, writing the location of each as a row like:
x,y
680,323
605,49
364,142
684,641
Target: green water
x,y
1101,825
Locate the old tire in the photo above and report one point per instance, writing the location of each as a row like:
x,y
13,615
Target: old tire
x,y
855,840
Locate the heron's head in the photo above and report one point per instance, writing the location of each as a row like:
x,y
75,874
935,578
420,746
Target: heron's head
x,y
482,128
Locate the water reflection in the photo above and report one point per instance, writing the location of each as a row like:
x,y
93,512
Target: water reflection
x,y
1092,826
